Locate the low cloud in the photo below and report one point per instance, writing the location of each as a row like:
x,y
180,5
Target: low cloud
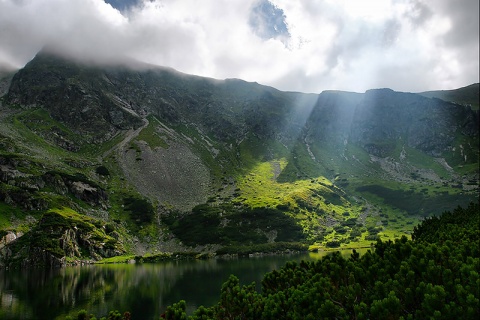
x,y
310,46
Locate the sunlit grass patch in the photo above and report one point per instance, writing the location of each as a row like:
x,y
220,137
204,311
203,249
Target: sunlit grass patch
x,y
117,259
312,202
259,187
391,235
316,203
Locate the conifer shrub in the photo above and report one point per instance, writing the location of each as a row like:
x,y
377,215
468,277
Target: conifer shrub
x,y
102,170
141,210
433,276
231,226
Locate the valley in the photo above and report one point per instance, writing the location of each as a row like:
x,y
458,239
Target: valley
x,y
158,161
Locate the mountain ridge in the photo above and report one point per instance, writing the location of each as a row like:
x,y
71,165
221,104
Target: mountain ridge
x,y
158,144
464,95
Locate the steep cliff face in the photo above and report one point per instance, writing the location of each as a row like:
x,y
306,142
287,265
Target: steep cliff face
x,y
430,125
378,119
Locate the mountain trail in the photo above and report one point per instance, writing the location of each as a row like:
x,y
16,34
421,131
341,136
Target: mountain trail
x,y
129,136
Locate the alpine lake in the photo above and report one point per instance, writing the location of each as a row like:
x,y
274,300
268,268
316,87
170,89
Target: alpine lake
x,y
143,289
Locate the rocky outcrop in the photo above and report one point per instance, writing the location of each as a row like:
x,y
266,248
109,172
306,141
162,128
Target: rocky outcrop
x,y
9,237
25,188
73,96
60,238
87,192
40,257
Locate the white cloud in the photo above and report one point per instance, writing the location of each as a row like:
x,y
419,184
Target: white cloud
x,y
408,45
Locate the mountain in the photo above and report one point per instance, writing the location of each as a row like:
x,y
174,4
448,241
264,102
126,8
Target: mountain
x,y
165,161
467,95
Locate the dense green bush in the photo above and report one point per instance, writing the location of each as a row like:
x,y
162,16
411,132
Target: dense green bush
x,y
141,210
351,222
112,315
102,170
264,248
435,276
332,244
227,225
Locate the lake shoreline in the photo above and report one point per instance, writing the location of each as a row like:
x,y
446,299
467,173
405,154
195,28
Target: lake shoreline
x,y
166,256
225,253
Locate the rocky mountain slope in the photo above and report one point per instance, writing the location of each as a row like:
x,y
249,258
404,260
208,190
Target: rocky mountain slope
x,y
164,158
467,95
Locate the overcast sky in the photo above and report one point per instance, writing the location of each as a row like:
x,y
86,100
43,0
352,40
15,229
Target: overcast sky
x,y
303,45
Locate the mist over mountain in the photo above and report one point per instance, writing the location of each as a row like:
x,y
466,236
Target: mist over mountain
x,y
159,159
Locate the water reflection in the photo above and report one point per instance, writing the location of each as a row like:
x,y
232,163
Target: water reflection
x,y
145,290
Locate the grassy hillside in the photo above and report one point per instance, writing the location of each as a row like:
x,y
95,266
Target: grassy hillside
x,y
468,95
178,163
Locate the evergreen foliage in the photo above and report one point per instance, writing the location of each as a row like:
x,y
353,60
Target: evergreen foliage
x,y
434,276
112,315
102,170
232,226
141,211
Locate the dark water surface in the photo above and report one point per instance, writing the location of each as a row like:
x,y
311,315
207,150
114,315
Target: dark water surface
x,y
143,289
